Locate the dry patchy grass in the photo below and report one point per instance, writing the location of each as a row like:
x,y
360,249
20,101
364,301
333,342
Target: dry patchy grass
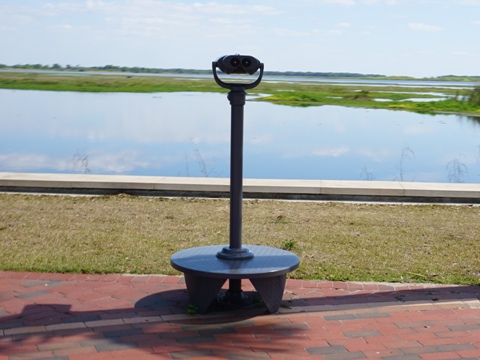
x,y
337,241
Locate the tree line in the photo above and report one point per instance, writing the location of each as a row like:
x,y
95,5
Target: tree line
x,y
110,68
147,70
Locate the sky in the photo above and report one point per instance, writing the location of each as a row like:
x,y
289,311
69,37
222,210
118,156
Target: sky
x,y
420,38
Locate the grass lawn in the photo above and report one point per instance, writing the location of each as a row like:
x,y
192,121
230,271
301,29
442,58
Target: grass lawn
x,y
335,241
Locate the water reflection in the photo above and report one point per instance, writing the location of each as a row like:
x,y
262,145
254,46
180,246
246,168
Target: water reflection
x,y
188,134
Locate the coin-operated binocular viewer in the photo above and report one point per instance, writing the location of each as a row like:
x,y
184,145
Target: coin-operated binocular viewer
x,y
207,268
236,64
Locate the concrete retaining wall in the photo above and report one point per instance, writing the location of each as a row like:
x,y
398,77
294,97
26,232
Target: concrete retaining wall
x,y
390,191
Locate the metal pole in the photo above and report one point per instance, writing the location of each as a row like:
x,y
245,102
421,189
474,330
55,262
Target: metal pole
x,y
235,251
237,97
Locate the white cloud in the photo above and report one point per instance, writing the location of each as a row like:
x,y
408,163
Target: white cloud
x,y
7,28
331,151
344,24
141,18
32,162
375,155
287,32
335,32
230,21
340,2
361,2
96,162
136,8
63,27
423,27
118,162
470,2
218,8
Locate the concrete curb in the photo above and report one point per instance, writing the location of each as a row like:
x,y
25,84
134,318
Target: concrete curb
x,y
391,191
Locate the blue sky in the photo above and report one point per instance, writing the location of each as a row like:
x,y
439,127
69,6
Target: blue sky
x,y
392,37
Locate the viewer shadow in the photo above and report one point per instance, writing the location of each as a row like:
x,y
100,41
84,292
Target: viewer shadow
x,y
156,323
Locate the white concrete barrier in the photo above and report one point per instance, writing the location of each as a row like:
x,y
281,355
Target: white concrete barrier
x,y
260,188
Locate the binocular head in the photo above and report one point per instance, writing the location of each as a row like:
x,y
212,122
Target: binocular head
x,y
238,64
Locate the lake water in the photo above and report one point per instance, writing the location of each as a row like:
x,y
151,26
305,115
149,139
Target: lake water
x,y
188,134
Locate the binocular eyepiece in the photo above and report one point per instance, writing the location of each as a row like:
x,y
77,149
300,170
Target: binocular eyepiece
x,y
238,64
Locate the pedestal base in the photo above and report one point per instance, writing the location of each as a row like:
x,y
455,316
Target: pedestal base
x,y
235,298
205,274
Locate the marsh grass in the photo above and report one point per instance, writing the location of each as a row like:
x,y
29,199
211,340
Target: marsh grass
x,y
103,83
335,241
367,99
282,93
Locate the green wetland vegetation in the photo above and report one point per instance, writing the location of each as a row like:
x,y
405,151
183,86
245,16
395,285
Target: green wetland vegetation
x,y
428,100
374,99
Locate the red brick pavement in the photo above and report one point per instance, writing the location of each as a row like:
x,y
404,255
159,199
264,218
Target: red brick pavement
x,y
65,316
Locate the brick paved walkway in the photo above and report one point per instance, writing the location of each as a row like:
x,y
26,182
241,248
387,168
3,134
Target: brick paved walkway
x,y
58,316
